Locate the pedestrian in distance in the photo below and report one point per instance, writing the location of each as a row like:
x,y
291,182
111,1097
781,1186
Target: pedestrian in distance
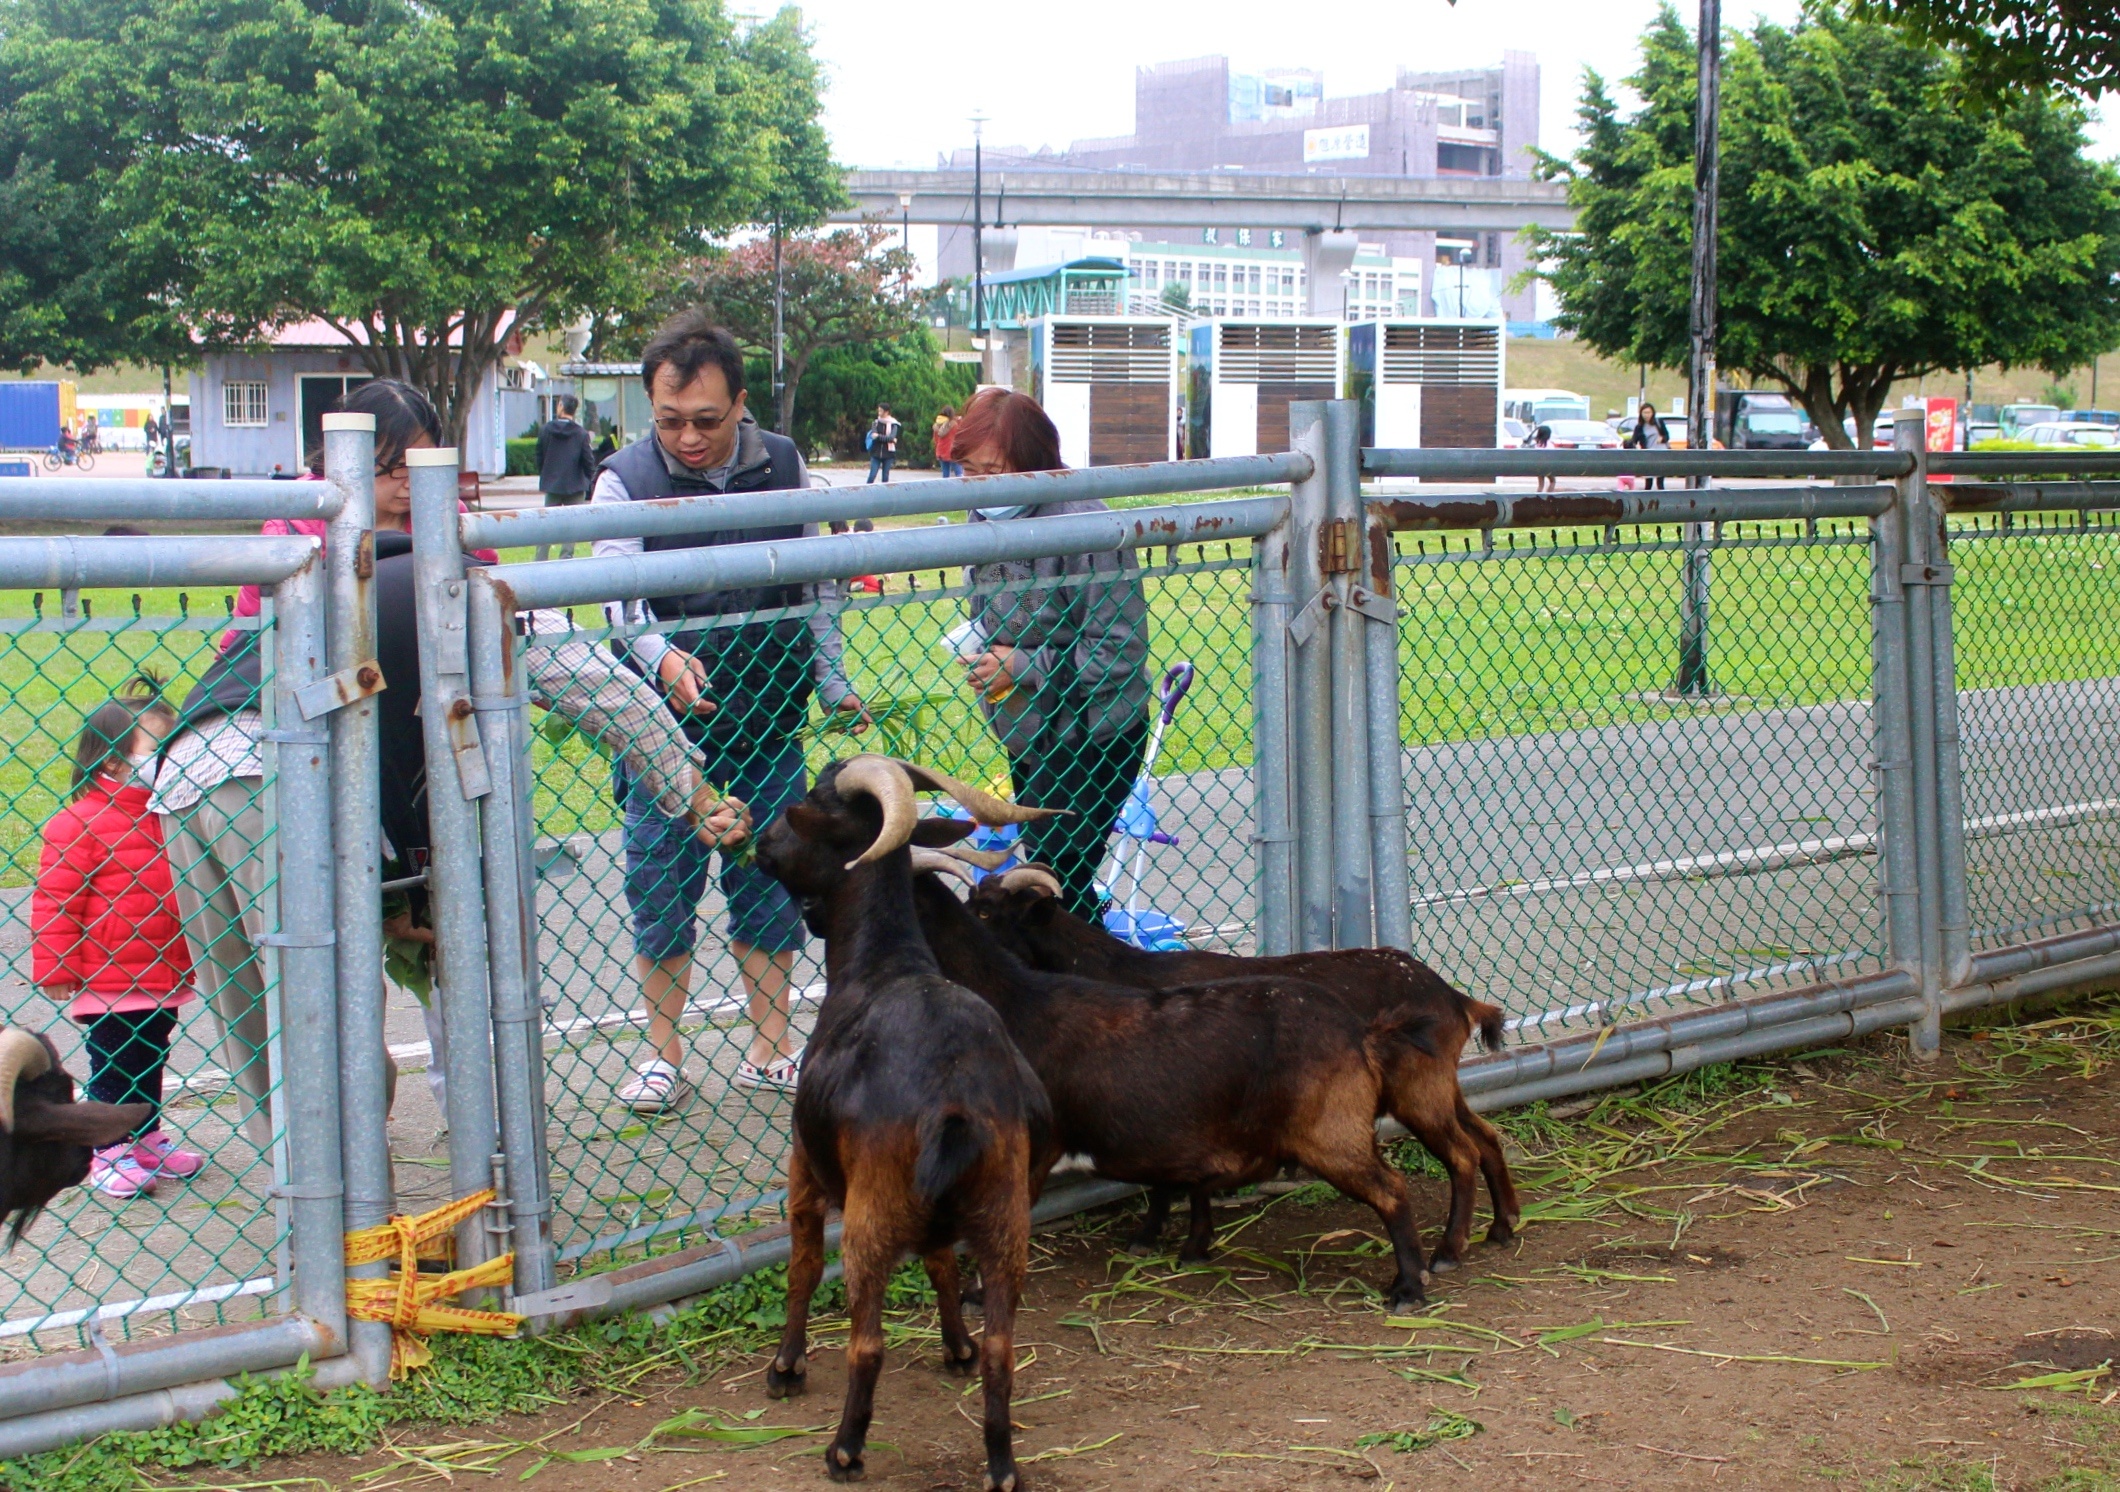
x,y
1541,439
1650,433
742,690
106,936
1057,650
945,433
565,465
882,442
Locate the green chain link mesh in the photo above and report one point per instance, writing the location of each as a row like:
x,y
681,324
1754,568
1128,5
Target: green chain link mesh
x,y
194,1251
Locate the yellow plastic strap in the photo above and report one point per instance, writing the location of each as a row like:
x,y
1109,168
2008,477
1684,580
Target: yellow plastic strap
x,y
407,1300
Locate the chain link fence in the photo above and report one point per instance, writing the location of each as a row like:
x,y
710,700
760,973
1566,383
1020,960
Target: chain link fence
x,y
185,1249
653,947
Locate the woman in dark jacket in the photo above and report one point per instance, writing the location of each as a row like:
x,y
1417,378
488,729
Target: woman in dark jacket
x,y
1650,433
1063,671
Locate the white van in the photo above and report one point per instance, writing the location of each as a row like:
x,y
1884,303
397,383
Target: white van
x,y
1537,407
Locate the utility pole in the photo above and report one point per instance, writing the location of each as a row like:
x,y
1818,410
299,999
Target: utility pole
x,y
1692,679
169,426
978,241
780,307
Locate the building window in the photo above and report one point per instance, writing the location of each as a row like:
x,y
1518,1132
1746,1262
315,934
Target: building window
x,y
243,404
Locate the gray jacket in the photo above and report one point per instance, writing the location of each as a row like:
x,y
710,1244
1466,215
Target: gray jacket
x,y
1080,627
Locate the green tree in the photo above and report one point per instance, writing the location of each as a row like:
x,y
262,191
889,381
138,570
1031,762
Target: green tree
x,y
839,289
1877,224
428,175
2072,44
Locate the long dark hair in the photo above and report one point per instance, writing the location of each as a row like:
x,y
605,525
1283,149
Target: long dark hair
x,y
108,731
402,415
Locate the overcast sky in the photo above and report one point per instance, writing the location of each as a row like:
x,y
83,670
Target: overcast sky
x,y
906,75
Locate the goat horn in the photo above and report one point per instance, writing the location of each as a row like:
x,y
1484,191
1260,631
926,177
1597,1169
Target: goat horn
x,y
942,863
984,859
1039,876
982,805
887,781
22,1055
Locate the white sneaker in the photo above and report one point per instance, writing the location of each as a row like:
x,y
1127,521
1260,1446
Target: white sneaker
x,y
781,1074
655,1087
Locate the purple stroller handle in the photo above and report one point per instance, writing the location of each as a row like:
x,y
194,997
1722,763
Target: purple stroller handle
x,y
1176,680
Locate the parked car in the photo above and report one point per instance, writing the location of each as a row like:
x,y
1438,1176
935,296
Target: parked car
x,y
1514,430
1756,421
2097,416
1583,435
2015,419
2071,433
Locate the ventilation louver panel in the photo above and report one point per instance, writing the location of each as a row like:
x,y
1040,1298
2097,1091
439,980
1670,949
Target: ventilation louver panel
x,y
1268,353
1110,352
1433,355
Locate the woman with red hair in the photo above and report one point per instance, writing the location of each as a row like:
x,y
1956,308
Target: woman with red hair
x,y
1063,674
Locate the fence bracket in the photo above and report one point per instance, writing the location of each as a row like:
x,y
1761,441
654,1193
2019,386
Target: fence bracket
x,y
1371,605
1918,574
1304,625
349,686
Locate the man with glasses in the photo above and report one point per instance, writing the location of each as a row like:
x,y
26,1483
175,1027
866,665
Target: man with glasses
x,y
739,669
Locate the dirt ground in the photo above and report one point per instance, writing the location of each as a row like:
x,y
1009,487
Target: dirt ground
x,y
1842,1269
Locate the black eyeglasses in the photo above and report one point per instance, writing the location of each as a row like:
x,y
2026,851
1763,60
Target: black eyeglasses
x,y
670,424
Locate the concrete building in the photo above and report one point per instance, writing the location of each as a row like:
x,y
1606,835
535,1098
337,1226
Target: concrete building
x,y
1201,114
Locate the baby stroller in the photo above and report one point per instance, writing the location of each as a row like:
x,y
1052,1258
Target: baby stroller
x,y
1130,922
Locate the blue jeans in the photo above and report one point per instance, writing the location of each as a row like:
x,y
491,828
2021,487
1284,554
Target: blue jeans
x,y
881,461
667,864
950,468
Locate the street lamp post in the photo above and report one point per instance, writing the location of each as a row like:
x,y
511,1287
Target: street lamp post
x,y
1464,257
1692,679
978,240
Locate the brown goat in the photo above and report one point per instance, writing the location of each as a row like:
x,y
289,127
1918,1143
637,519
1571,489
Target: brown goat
x,y
1203,1087
1022,909
915,1114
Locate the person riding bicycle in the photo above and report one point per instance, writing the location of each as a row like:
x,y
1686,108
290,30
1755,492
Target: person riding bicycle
x,y
68,446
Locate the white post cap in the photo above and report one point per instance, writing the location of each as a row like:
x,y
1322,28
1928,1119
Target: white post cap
x,y
349,422
439,456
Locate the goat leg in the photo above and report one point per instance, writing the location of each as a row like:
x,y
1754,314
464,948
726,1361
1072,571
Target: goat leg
x,y
997,1351
1501,1187
1200,1238
959,1356
788,1373
1148,1238
1384,1190
868,1274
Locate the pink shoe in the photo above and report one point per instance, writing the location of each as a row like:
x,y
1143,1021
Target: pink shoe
x,y
116,1171
159,1154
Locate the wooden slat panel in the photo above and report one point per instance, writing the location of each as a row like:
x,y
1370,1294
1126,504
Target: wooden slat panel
x,y
1274,399
1457,415
1129,423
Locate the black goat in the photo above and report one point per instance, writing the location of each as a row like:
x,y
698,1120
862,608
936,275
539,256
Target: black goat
x,y
1205,1087
46,1137
915,1114
1023,910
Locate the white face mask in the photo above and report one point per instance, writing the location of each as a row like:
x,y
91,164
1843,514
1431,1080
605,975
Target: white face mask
x,y
143,768
1016,510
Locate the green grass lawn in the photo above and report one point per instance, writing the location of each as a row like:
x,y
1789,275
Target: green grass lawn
x,y
1556,632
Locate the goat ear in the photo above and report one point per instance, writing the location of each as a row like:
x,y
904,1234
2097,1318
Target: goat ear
x,y
935,834
1036,908
809,822
92,1124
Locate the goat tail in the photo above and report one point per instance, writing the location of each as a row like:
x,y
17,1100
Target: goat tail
x,y
1489,1019
949,1143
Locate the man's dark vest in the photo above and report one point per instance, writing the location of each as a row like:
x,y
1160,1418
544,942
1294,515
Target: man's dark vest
x,y
758,673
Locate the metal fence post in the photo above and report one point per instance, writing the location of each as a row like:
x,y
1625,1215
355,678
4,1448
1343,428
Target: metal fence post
x,y
1273,835
456,778
309,1031
498,691
1955,921
1390,874
1910,434
1310,764
1354,920
356,842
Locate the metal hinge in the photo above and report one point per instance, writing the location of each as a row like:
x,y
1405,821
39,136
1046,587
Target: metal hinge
x,y
1924,574
348,686
1339,545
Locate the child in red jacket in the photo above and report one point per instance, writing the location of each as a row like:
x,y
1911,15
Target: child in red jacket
x,y
106,935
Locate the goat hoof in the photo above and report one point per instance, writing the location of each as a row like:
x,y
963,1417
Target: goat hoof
x,y
1009,1481
1191,1255
1402,1296
1143,1248
960,1367
1442,1264
843,1465
786,1383
973,1297
1501,1232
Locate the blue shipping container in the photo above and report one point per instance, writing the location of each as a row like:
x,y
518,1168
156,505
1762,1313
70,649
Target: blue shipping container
x,y
29,416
